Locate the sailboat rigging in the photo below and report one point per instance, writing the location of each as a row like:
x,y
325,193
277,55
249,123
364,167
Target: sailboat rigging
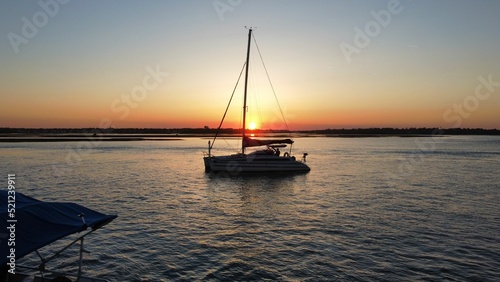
x,y
261,161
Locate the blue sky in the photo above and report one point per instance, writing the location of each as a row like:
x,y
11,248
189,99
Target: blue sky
x,y
422,64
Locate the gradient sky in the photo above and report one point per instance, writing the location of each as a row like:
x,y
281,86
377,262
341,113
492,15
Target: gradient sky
x,y
75,64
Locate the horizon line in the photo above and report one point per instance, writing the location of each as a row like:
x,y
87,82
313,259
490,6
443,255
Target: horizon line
x,y
257,129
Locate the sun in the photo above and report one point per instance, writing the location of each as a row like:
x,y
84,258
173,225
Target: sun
x,y
252,125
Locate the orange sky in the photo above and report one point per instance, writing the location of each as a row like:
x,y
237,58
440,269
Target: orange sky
x,y
176,64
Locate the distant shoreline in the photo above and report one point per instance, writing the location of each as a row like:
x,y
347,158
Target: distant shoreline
x,y
155,134
17,139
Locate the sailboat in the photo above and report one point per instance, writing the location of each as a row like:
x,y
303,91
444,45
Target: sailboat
x,y
267,159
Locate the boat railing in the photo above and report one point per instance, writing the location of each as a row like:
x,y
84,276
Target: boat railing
x,y
46,275
303,160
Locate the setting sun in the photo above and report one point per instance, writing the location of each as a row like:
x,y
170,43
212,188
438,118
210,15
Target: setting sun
x,y
252,126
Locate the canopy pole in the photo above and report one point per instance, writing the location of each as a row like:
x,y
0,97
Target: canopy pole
x,y
56,254
81,258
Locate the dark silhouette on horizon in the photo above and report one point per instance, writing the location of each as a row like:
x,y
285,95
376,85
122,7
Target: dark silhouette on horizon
x,y
424,131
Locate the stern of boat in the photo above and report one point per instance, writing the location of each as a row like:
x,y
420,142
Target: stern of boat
x,y
207,161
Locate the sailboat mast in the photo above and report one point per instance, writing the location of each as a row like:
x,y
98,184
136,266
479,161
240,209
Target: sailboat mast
x,y
245,93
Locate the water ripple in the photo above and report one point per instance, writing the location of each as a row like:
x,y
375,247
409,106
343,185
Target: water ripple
x,y
340,222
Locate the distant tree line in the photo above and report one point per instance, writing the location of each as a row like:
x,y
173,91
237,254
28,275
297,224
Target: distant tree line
x,y
407,131
206,130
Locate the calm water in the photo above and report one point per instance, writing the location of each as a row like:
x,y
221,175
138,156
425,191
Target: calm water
x,y
371,209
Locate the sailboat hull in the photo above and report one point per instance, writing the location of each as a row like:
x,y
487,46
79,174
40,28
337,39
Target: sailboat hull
x,y
236,164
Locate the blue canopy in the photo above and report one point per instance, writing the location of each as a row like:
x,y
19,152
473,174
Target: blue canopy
x,y
41,223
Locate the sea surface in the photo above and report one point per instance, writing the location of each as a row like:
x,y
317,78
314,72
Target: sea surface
x,y
371,209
